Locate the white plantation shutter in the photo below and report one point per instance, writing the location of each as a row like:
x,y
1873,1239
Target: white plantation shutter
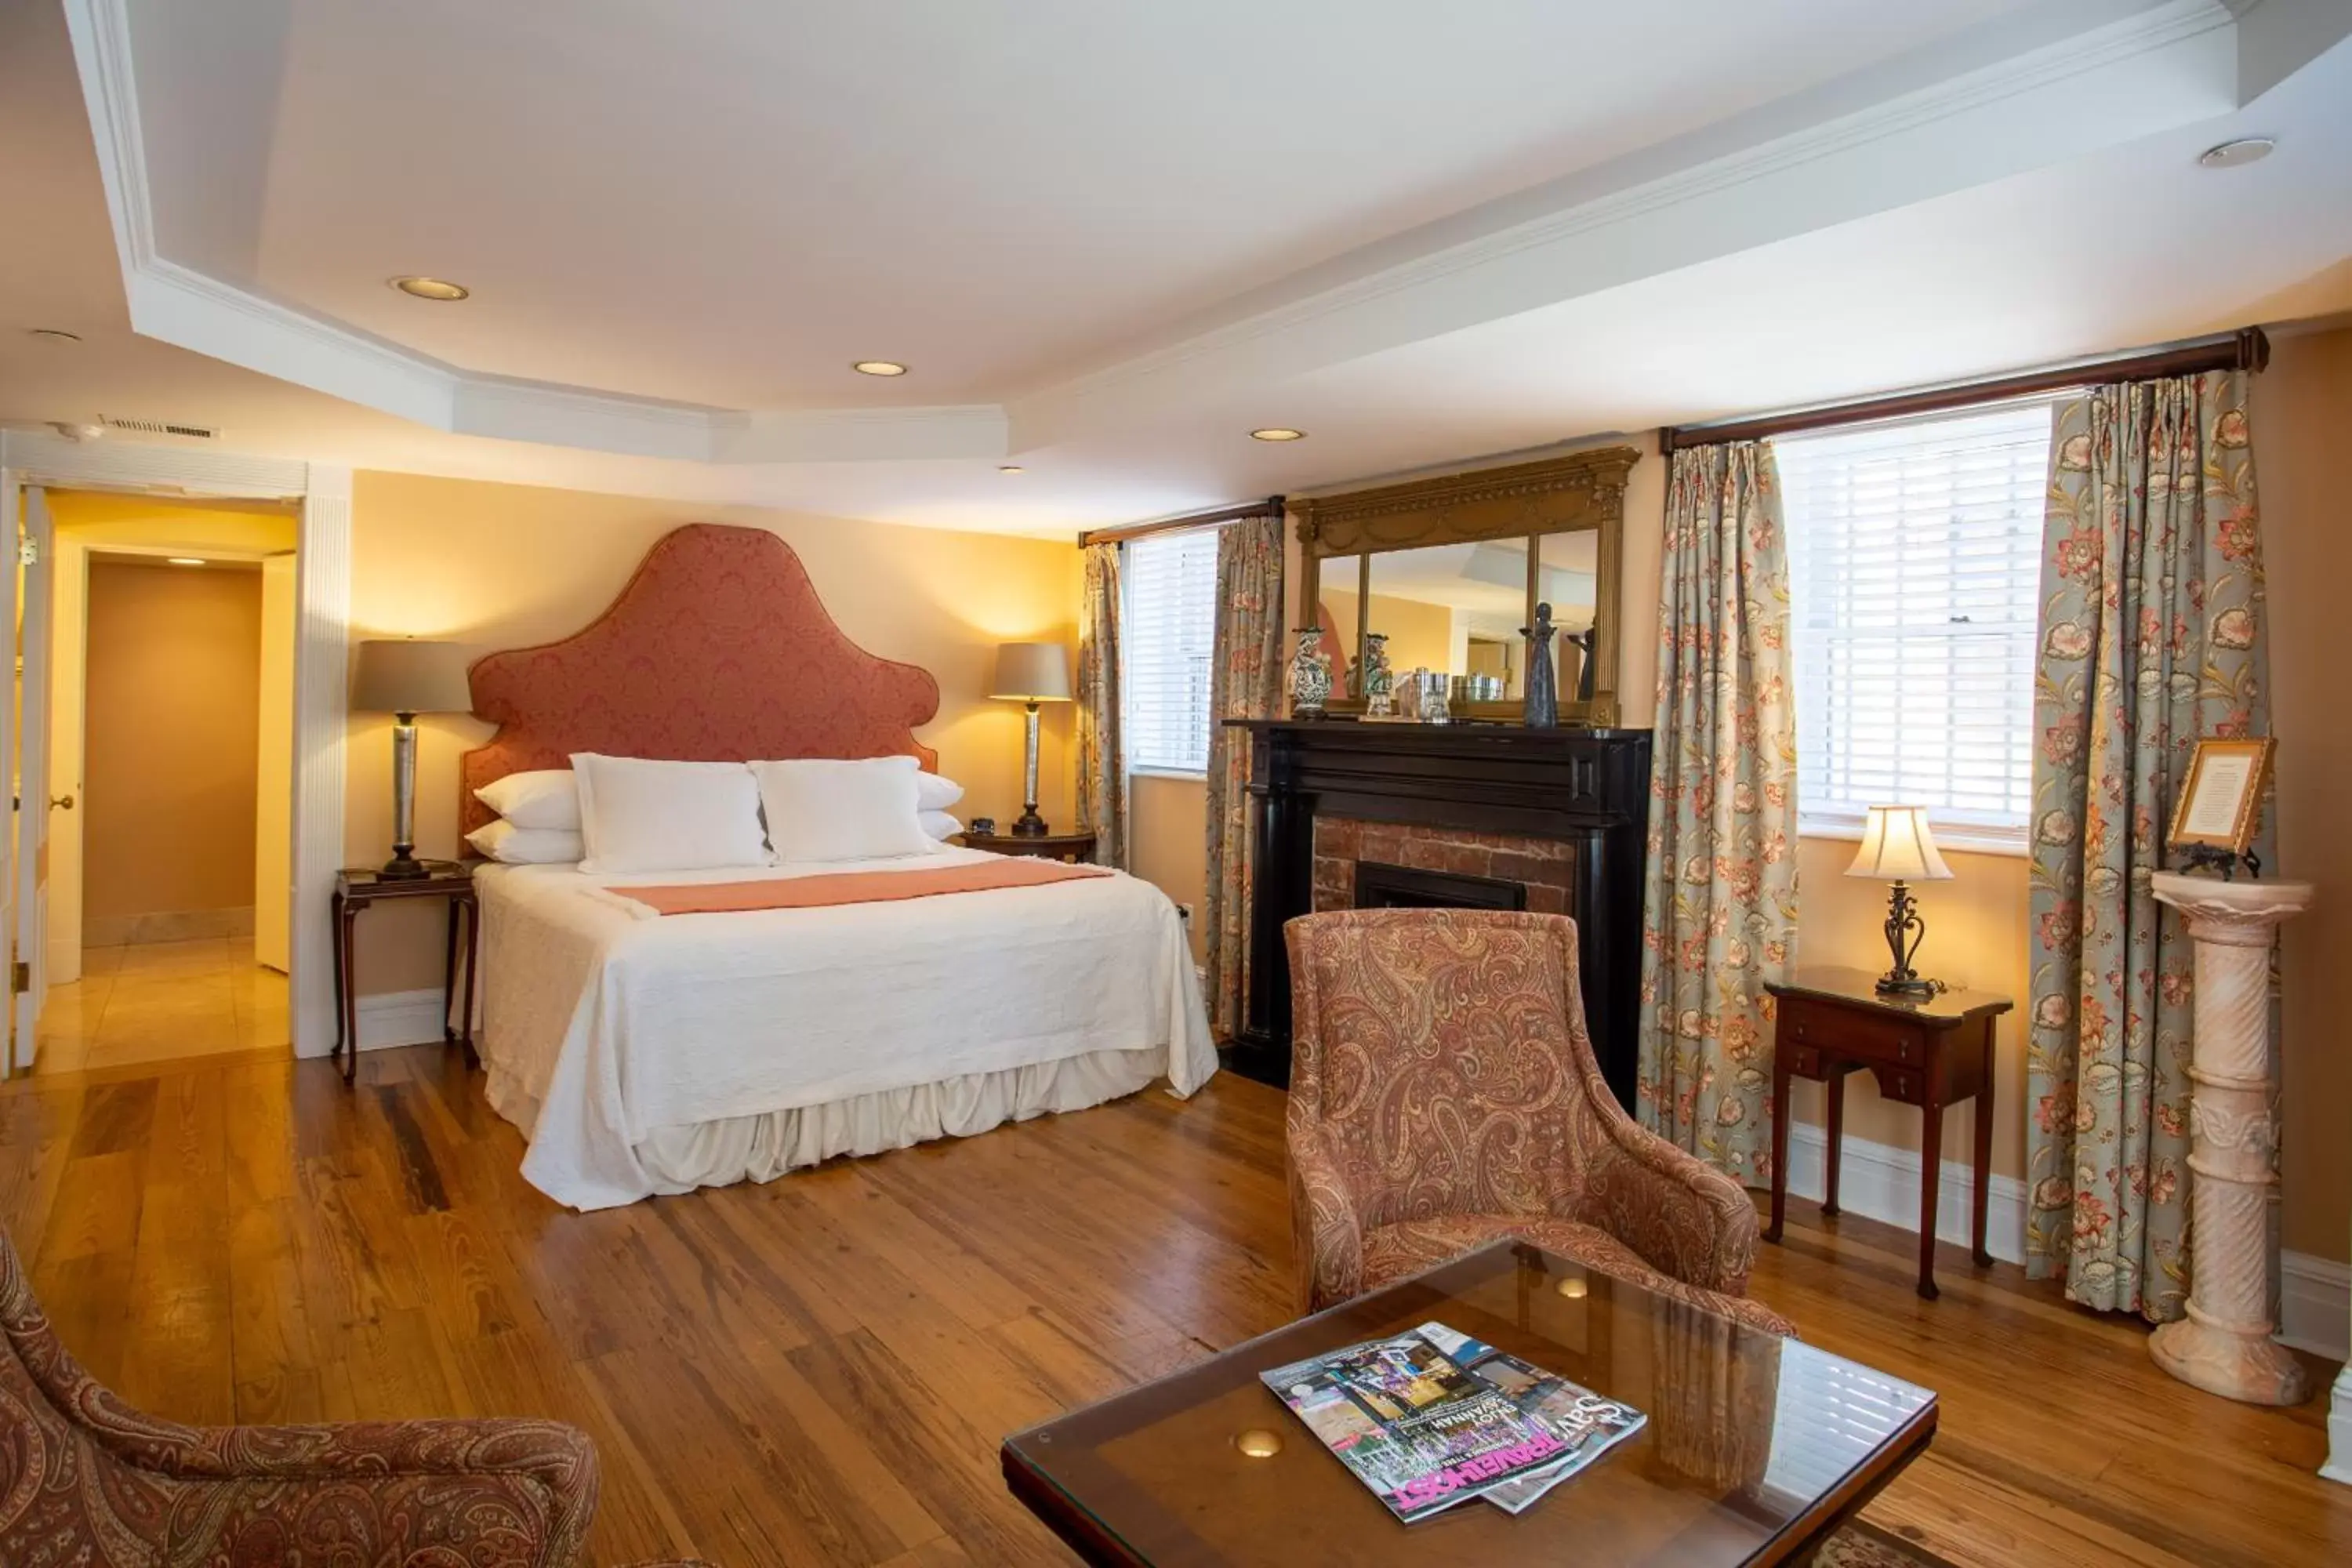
x,y
1828,1416
1915,554
1167,637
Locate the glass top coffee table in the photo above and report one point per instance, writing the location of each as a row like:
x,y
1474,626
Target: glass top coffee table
x,y
1757,1447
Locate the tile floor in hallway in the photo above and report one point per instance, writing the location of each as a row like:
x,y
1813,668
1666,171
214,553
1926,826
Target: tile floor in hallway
x,y
156,1002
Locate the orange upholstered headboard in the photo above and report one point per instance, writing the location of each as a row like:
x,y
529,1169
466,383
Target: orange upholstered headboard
x,y
717,650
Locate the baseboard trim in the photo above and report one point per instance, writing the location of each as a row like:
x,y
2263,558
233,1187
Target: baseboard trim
x,y
1880,1182
2316,1312
2339,1431
401,1018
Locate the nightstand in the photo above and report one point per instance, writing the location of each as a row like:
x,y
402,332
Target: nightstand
x,y
1927,1051
356,888
1043,845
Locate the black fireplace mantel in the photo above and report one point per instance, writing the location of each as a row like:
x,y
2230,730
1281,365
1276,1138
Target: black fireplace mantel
x,y
1585,785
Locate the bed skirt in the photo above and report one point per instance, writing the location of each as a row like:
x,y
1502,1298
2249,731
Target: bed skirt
x,y
762,1147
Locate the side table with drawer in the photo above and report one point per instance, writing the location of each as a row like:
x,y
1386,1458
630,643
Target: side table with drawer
x,y
1928,1051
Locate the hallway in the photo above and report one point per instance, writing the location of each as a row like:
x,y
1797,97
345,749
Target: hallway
x,y
161,1002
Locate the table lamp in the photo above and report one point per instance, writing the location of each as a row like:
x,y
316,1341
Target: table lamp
x,y
1031,672
1898,847
405,677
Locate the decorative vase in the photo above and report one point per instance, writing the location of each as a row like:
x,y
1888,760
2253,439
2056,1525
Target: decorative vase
x,y
1542,710
1310,675
1380,681
1434,689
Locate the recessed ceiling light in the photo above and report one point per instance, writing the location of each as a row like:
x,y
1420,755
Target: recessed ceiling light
x,y
57,334
878,367
1010,469
2237,154
185,559
1277,433
440,290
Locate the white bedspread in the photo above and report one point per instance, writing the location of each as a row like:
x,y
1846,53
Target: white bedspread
x,y
602,1030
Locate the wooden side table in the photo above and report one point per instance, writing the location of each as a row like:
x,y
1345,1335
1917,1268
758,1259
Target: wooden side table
x,y
1932,1052
1043,845
356,888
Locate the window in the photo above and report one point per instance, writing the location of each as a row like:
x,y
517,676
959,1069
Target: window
x,y
1914,555
1168,635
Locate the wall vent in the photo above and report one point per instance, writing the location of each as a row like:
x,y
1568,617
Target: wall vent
x,y
161,427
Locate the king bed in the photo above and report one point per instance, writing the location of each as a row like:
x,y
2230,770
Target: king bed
x,y
643,1052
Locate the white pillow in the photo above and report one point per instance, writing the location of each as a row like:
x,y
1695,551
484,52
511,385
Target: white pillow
x,y
504,842
547,798
638,814
824,810
939,825
933,792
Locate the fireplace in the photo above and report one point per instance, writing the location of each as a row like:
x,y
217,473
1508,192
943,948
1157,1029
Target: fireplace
x,y
1380,885
1358,816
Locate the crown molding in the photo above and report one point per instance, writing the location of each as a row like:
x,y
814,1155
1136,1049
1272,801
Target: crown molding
x,y
1892,136
191,310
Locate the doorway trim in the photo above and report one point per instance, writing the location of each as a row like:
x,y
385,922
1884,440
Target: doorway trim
x,y
322,601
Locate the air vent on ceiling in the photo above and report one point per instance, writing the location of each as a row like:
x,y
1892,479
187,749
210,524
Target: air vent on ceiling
x,y
161,427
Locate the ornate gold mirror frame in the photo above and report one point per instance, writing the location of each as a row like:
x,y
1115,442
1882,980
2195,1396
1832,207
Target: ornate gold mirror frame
x,y
1584,492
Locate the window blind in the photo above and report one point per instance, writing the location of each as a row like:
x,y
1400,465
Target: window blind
x,y
1166,638
1827,1418
1914,553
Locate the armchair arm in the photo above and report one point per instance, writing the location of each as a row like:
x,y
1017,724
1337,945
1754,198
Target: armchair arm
x,y
512,1493
1685,1218
1325,1236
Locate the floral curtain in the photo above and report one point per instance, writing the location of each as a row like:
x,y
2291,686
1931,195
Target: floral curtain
x,y
1102,759
1720,902
2150,637
1244,682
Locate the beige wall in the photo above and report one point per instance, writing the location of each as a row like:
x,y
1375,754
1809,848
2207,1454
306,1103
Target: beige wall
x,y
2303,419
173,687
1167,842
497,566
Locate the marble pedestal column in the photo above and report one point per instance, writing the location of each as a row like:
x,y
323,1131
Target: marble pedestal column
x,y
2224,1345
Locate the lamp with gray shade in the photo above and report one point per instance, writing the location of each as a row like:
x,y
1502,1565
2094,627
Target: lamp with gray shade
x,y
1031,672
404,678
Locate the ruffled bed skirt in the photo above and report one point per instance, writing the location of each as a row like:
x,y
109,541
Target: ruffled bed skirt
x,y
761,1148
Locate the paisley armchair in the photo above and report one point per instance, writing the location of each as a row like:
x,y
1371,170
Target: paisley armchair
x,y
86,1479
1443,1094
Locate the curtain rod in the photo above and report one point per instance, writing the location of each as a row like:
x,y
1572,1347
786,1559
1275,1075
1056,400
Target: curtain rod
x,y
1270,507
2246,349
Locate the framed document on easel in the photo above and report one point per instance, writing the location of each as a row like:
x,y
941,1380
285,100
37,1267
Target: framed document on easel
x,y
2221,805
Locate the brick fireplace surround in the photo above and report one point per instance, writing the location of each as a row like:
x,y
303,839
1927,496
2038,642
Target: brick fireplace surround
x,y
1546,867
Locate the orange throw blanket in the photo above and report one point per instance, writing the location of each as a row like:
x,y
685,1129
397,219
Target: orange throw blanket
x,y
853,887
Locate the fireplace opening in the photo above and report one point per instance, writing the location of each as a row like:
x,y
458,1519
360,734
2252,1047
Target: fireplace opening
x,y
1379,886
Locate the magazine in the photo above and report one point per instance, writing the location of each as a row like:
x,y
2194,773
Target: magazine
x,y
1430,1418
1587,1425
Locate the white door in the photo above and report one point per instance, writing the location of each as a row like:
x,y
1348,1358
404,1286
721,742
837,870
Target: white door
x,y
32,860
68,573
273,836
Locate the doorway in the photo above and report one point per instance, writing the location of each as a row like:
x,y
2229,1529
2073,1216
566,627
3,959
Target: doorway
x,y
170,705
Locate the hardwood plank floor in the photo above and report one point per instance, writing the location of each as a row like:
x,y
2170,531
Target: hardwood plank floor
x,y
818,1371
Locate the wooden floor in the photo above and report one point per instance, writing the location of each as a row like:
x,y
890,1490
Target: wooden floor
x,y
819,1369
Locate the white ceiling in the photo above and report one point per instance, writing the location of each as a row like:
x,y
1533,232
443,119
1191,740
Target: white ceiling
x,y
1110,239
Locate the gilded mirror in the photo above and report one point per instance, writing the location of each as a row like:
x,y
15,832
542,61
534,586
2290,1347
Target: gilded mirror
x,y
1449,571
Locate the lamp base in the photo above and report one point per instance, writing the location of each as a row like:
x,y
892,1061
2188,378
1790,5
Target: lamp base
x,y
404,867
1029,825
1907,985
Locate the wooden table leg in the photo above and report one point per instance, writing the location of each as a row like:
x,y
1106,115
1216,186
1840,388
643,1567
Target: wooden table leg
x,y
449,974
1836,1087
1982,1111
1779,1143
347,1024
473,962
1931,1181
